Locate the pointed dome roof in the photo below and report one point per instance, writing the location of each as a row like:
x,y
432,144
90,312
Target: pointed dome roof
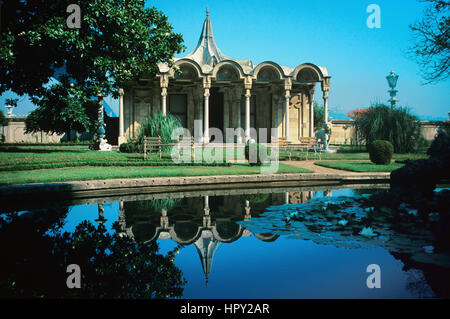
x,y
207,54
206,246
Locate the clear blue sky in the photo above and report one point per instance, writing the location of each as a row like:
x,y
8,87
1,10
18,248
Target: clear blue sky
x,y
329,33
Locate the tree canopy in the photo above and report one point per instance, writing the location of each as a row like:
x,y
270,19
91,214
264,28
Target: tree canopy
x,y
118,41
112,266
432,47
61,110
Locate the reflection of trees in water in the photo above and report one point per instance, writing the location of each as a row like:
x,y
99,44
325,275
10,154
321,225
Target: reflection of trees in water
x,y
417,284
35,256
425,279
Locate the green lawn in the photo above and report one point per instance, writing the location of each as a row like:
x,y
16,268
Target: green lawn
x,y
90,173
360,166
46,163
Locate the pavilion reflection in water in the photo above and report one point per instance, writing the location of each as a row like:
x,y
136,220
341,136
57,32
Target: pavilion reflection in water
x,y
203,221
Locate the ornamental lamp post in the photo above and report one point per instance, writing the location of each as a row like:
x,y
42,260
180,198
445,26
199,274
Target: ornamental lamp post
x,y
392,82
9,110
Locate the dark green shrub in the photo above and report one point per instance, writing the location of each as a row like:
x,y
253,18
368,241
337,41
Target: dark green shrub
x,y
440,146
380,152
256,198
129,147
396,125
256,154
3,120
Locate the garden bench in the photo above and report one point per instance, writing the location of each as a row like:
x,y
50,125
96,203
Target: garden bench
x,y
184,144
310,143
282,143
306,144
155,144
152,144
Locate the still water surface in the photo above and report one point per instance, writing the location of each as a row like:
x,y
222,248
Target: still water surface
x,y
237,245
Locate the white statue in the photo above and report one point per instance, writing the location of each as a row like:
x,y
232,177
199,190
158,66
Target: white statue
x,y
104,146
323,136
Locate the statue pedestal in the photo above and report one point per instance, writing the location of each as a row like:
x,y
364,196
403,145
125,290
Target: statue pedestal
x,y
330,149
102,145
122,140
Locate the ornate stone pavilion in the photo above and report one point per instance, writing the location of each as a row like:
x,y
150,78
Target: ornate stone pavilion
x,y
223,92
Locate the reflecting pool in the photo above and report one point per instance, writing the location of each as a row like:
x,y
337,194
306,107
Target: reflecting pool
x,y
244,243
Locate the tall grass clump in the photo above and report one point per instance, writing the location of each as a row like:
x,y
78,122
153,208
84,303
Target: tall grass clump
x,y
396,125
159,125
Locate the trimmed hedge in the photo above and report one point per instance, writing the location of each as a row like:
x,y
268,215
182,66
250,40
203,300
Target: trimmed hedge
x,y
129,147
256,154
380,152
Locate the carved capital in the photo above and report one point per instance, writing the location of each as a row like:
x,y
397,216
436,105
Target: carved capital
x,y
248,83
248,94
164,91
121,92
164,80
288,84
207,82
206,93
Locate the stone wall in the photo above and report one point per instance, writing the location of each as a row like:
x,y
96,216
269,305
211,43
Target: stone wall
x,y
343,131
14,132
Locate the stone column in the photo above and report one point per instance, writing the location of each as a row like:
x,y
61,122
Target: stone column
x,y
206,116
101,217
248,214
325,89
286,114
206,87
206,216
199,105
164,83
121,118
236,121
101,123
164,101
248,95
287,96
164,219
311,112
206,204
121,220
226,112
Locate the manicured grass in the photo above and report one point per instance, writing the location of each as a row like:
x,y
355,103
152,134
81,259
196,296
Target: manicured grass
x,y
17,155
297,155
90,173
360,166
28,156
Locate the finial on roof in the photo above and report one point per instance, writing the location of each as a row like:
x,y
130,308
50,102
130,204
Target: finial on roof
x,y
207,11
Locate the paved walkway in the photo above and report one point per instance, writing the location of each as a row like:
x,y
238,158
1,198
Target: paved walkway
x,y
325,170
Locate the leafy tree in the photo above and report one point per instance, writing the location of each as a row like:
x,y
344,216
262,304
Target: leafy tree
x,y
60,111
118,42
12,102
432,47
112,266
319,113
3,119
